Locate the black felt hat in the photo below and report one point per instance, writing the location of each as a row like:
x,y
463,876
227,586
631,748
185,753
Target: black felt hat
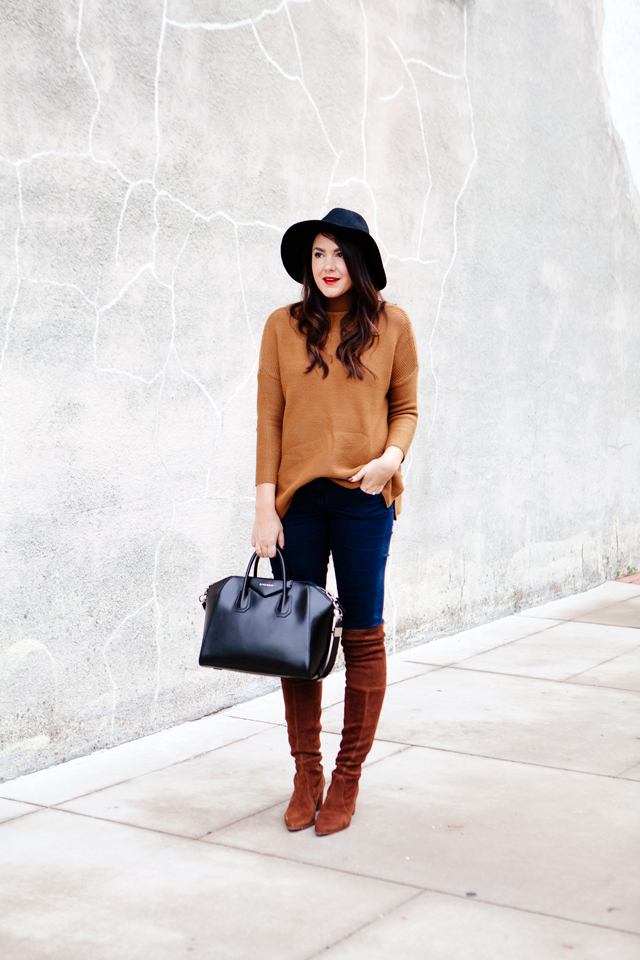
x,y
341,223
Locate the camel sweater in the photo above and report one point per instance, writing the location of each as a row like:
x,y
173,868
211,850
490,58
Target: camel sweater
x,y
310,426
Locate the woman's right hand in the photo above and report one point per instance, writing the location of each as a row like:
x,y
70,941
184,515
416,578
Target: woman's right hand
x,y
267,526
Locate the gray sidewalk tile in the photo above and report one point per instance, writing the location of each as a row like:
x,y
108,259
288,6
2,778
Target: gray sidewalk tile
x,y
622,672
105,767
514,718
270,707
569,608
205,794
559,652
461,646
50,859
625,614
77,888
632,774
11,809
551,841
440,927
266,709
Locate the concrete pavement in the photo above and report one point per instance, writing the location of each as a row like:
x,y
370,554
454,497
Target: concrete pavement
x,y
499,817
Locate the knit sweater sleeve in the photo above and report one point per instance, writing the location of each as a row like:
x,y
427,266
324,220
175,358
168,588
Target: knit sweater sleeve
x,y
270,407
403,390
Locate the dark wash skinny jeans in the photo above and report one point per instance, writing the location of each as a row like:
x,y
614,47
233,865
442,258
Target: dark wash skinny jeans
x,y
352,525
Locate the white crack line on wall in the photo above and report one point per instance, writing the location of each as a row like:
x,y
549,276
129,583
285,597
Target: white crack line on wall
x,y
338,154
154,600
387,255
249,376
171,349
455,227
363,183
234,24
216,435
7,326
424,140
330,184
112,636
450,76
20,206
220,414
296,79
5,344
108,306
3,465
220,411
242,290
252,22
98,311
295,39
156,88
392,96
455,77
366,90
91,77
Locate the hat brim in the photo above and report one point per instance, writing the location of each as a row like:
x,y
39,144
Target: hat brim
x,y
300,234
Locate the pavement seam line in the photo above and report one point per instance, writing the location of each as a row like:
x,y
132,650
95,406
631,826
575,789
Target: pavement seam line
x,y
499,906
524,676
526,763
568,596
461,633
598,623
363,926
418,887
498,646
609,660
174,763
621,776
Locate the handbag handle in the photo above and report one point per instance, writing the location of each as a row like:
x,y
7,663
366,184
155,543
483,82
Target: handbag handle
x,y
284,604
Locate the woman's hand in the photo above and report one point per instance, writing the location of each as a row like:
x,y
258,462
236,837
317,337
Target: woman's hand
x,y
375,475
267,526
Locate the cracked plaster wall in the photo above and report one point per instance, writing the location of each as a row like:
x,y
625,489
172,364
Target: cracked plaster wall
x,y
151,154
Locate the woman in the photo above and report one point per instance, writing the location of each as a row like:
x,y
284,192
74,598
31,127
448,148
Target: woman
x,y
337,386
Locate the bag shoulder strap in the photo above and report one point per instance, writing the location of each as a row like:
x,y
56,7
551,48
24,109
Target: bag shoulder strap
x,y
333,652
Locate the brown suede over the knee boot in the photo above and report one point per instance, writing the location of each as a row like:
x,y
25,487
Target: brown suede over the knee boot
x,y
302,707
366,661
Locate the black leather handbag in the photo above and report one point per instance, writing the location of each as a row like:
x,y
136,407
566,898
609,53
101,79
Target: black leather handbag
x,y
279,628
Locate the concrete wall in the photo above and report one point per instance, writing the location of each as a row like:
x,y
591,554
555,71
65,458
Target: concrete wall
x,y
152,156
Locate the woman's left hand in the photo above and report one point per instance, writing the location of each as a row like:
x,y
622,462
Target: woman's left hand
x,y
375,475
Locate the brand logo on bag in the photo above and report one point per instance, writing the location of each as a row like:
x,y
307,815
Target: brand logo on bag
x,y
269,584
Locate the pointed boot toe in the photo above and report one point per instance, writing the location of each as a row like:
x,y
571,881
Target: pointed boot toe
x,y
339,807
308,792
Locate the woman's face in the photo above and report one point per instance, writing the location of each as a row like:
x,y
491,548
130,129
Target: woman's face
x,y
329,269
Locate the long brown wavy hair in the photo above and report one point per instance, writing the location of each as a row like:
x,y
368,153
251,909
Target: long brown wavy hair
x,y
359,326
